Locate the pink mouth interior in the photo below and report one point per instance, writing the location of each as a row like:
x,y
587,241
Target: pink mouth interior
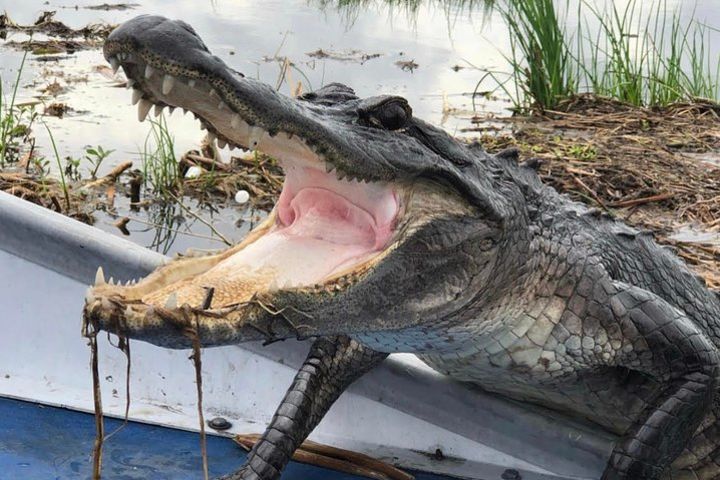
x,y
323,226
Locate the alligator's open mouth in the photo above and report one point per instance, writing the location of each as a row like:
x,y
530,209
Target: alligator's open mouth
x,y
328,227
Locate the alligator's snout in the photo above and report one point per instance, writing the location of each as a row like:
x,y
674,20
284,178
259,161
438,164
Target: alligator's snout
x,y
159,36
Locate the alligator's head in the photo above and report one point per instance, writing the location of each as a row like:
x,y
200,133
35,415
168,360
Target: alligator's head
x,y
384,222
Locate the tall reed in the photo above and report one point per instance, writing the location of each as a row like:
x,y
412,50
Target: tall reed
x,y
645,56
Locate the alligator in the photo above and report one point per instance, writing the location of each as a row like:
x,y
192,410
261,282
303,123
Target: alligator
x,y
390,235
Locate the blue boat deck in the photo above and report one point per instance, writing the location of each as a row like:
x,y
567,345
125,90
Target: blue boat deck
x,y
38,442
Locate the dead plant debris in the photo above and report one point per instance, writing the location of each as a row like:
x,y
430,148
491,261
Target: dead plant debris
x,y
257,173
633,162
356,56
47,193
407,65
63,39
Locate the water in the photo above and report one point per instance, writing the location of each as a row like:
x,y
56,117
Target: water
x,y
246,35
448,40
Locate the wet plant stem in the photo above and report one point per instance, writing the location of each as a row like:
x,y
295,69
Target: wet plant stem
x,y
7,112
66,194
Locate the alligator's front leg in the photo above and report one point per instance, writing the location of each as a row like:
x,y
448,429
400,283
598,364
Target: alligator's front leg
x,y
661,342
331,366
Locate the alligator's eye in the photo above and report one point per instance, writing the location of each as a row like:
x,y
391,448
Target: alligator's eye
x,y
391,113
392,116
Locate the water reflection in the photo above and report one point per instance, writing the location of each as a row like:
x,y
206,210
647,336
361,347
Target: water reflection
x,y
454,10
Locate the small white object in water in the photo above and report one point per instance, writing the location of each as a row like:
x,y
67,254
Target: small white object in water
x,y
242,196
193,172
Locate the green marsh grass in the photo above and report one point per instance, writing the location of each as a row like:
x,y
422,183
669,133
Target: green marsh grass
x,y
542,63
642,54
61,170
11,116
159,161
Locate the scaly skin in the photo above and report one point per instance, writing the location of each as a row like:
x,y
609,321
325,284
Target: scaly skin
x,y
493,279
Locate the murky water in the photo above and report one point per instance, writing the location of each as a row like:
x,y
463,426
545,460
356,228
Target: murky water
x,y
444,38
249,35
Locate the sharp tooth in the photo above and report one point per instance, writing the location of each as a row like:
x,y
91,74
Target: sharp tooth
x,y
273,285
143,109
191,83
329,167
235,121
114,63
130,83
221,143
149,71
99,277
158,110
167,85
128,311
89,297
136,96
121,56
171,302
111,281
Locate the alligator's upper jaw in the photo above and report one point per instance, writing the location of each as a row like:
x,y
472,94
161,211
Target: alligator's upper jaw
x,y
322,229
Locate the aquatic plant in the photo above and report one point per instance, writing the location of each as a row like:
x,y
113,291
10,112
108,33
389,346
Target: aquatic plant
x,y
159,162
645,56
658,61
15,120
543,66
63,183
95,156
